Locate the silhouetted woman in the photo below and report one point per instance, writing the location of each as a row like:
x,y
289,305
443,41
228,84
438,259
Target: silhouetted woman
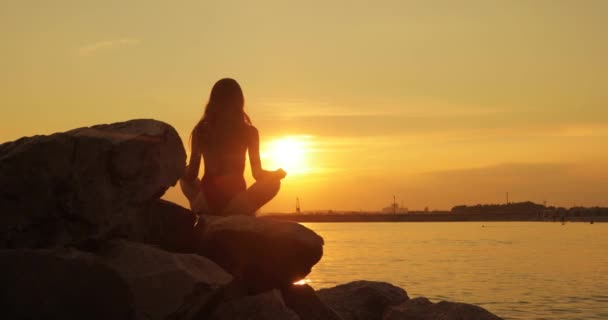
x,y
222,137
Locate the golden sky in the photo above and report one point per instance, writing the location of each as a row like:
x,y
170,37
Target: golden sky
x,y
436,102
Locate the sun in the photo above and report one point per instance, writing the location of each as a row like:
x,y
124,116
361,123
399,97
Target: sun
x,y
289,152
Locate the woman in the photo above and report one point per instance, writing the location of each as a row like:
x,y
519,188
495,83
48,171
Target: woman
x,y
223,136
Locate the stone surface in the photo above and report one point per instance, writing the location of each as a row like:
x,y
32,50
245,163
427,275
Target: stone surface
x,y
263,306
303,300
362,299
116,280
161,282
164,224
423,309
64,187
61,284
263,253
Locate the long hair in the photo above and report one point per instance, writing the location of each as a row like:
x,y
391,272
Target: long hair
x,y
224,118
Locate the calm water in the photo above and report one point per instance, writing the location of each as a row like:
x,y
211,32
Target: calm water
x,y
518,270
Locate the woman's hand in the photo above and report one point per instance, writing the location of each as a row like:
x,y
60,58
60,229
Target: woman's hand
x,y
276,174
279,173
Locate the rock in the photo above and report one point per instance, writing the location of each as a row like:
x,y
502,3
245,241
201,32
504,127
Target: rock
x,y
362,299
164,224
61,284
303,300
233,300
263,253
263,306
86,182
162,282
423,309
121,280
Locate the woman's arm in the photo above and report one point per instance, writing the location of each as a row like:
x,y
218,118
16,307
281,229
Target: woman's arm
x,y
195,159
253,147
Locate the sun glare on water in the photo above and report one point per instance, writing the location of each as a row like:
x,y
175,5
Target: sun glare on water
x,y
290,153
302,282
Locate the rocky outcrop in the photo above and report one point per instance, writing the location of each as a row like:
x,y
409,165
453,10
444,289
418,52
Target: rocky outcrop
x,y
362,299
423,309
383,301
120,280
263,253
263,306
303,300
161,282
86,182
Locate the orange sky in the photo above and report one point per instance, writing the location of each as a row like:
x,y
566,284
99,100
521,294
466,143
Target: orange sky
x,y
436,102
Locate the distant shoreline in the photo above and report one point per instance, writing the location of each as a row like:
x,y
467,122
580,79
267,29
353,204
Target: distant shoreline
x,y
512,211
424,217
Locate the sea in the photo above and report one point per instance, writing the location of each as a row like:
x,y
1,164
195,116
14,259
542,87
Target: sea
x,y
516,270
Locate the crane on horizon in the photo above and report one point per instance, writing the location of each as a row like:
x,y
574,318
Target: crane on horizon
x,y
297,205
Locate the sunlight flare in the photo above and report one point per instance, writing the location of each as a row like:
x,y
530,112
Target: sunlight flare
x,y
292,153
302,282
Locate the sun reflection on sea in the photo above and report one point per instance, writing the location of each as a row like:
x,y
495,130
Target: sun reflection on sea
x,y
303,282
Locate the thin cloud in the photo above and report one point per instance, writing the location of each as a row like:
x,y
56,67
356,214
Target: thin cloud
x,y
415,109
522,170
583,130
106,45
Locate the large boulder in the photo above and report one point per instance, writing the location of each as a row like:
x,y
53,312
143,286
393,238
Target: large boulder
x,y
164,224
262,253
423,309
303,300
91,181
116,280
161,282
360,300
263,306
